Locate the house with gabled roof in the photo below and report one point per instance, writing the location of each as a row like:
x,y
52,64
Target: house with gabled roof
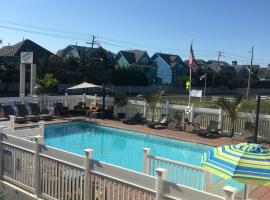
x,y
137,59
77,51
169,67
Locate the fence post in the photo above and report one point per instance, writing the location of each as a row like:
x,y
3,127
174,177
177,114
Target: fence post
x,y
37,167
1,153
144,109
146,152
87,177
84,98
65,100
161,174
229,192
167,107
220,119
192,110
95,99
41,129
12,122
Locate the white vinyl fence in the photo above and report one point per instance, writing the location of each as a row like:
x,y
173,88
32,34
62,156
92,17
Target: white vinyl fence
x,y
55,174
177,172
134,106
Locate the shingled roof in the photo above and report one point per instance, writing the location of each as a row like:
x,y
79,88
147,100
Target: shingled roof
x,y
24,46
133,56
170,59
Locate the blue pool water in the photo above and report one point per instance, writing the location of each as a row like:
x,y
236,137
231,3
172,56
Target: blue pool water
x,y
120,147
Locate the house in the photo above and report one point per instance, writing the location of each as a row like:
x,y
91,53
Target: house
x,y
137,59
11,53
243,70
169,67
76,51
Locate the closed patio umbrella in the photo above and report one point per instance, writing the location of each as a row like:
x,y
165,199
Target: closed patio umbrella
x,y
248,163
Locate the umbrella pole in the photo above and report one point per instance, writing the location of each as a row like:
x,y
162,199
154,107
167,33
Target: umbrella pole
x,y
246,192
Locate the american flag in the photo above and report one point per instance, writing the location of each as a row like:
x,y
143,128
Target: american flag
x,y
191,61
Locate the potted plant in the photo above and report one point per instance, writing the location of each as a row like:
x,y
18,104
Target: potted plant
x,y
232,108
45,86
153,99
120,100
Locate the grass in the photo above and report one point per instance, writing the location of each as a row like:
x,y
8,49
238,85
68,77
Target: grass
x,y
248,105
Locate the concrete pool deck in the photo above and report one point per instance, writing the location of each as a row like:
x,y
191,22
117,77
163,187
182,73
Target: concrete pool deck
x,y
256,192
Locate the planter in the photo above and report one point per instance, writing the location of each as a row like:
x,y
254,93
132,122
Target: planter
x,y
121,115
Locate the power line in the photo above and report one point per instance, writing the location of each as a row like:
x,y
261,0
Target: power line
x,y
42,33
111,42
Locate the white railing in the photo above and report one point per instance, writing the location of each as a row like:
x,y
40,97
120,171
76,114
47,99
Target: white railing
x,y
142,107
207,114
55,174
177,172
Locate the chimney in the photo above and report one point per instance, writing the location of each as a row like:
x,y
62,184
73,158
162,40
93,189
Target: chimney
x,y
234,63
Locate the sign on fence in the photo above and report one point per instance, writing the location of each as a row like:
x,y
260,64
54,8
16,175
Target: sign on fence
x,y
196,93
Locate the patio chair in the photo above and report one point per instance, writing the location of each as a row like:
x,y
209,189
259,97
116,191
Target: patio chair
x,y
177,123
211,130
247,134
195,125
161,123
2,118
8,110
60,110
22,112
136,119
35,110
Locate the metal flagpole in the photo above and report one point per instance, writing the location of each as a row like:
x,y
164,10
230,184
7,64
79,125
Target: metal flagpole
x,y
204,87
189,91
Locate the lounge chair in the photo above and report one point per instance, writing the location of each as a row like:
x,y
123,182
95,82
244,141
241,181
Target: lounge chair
x,y
247,134
136,119
2,118
195,125
60,110
161,123
8,110
35,110
212,129
22,112
177,123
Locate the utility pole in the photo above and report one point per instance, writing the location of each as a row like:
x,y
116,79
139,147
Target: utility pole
x,y
92,43
250,68
214,76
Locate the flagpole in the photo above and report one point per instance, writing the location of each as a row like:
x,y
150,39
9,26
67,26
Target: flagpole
x,y
189,91
204,87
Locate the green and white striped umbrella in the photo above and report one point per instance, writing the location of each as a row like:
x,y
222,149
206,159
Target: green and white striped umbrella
x,y
244,162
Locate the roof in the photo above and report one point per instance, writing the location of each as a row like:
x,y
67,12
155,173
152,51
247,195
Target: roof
x,y
170,59
25,45
133,56
79,49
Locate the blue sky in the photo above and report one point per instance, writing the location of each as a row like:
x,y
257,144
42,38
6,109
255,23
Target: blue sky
x,y
230,26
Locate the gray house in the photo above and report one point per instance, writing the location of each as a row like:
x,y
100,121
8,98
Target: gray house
x,y
137,59
169,67
76,51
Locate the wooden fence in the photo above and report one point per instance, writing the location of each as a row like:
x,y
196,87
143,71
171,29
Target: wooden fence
x,y
52,174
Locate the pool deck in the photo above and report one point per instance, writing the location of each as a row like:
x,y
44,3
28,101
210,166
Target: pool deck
x,y
179,135
256,192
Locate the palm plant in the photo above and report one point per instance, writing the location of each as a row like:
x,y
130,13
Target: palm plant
x,y
45,86
231,108
153,99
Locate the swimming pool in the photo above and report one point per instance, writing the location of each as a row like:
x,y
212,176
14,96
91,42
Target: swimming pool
x,y
121,147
